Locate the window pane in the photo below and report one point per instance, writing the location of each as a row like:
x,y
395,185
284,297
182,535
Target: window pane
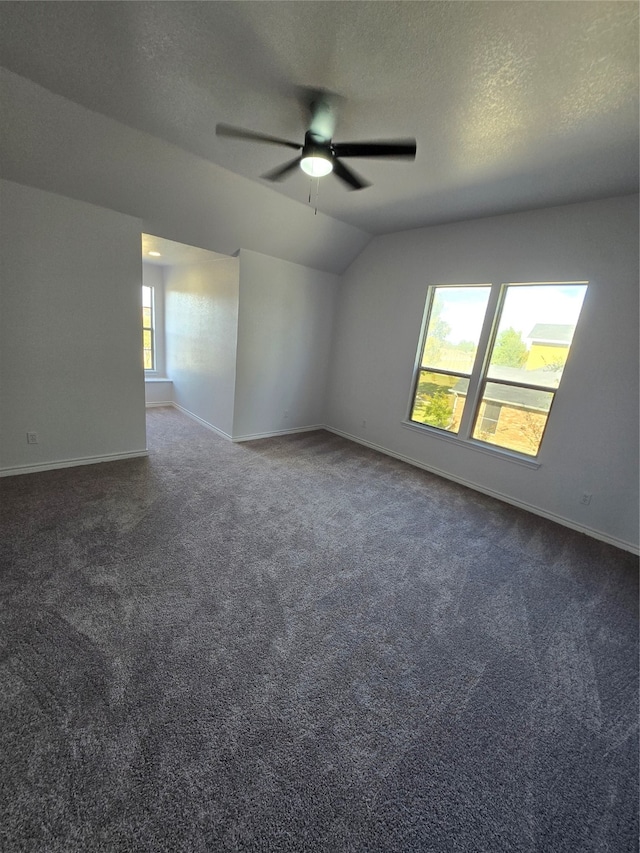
x,y
439,400
490,416
534,335
455,323
512,417
147,324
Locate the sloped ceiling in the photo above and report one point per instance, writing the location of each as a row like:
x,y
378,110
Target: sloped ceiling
x,y
514,105
169,253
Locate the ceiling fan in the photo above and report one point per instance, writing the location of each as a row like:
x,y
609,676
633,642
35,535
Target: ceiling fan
x,y
320,155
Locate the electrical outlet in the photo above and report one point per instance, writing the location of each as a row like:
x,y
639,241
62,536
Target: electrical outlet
x,y
32,438
364,424
586,499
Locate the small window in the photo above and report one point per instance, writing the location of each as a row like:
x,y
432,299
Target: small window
x,y
515,353
489,418
148,327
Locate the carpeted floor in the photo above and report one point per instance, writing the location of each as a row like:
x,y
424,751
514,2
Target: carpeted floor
x,y
298,644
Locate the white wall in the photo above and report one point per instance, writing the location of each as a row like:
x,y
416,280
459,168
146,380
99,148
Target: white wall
x,y
201,321
591,442
284,335
251,342
70,347
158,392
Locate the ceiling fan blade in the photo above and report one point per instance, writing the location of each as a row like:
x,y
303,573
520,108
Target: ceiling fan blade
x,y
282,171
348,176
392,148
241,133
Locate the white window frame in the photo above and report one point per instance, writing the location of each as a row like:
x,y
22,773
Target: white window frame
x,y
154,358
478,377
159,364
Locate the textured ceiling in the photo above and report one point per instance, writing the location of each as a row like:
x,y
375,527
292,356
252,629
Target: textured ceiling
x,y
514,105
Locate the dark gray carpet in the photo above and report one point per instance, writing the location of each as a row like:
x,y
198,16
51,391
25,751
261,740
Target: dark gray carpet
x,y
301,645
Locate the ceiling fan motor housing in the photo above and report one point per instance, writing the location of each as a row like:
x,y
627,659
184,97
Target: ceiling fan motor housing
x,y
317,155
316,146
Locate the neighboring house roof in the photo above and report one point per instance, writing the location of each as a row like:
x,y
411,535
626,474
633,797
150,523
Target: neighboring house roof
x,y
521,398
542,376
552,333
511,395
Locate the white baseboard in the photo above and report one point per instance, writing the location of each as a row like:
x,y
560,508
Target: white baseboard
x,y
294,431
158,403
240,438
201,421
565,522
70,463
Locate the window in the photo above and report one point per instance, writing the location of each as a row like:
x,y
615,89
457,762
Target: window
x,y
148,325
490,415
491,359
454,324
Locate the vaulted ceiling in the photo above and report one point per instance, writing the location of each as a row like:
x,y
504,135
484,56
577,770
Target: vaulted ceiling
x,y
514,105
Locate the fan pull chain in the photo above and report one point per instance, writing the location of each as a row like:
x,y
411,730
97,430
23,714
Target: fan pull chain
x,y
315,213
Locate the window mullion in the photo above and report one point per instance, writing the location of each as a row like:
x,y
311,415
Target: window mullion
x,y
549,389
481,363
427,369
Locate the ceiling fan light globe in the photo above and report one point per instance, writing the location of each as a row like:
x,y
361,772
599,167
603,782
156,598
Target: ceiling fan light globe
x,y
316,166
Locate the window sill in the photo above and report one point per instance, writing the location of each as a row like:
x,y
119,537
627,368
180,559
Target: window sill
x,y
157,379
495,452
